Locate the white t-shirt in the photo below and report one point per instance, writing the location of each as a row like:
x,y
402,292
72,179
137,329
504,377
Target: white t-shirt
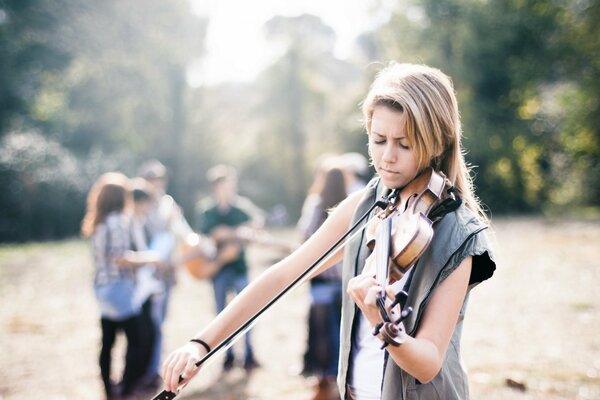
x,y
368,358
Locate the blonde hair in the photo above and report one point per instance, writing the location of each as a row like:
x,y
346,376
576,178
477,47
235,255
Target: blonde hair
x,y
109,193
433,128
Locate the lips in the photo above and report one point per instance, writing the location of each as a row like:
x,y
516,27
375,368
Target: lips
x,y
389,171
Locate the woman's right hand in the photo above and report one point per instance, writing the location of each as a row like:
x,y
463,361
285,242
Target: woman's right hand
x,y
182,362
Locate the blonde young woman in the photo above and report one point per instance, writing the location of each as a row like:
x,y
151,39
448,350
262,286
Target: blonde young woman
x,y
412,121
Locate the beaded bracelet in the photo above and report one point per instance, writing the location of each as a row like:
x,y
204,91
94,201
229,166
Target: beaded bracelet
x,y
203,343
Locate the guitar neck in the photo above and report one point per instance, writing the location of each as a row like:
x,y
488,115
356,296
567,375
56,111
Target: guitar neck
x,y
262,238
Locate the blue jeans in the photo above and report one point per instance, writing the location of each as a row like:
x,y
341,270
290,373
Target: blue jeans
x,y
225,281
160,303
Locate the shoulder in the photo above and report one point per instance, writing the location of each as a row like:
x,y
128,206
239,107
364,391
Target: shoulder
x,y
99,231
370,192
243,202
246,206
115,220
205,205
460,223
363,199
354,204
312,202
462,234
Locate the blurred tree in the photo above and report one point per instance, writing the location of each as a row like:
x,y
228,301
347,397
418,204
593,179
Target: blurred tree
x,y
29,49
43,188
126,87
302,95
103,86
103,78
505,57
579,134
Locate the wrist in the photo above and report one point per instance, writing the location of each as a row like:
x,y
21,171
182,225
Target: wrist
x,y
202,343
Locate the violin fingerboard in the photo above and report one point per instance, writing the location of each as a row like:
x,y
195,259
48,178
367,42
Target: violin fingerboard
x,y
165,395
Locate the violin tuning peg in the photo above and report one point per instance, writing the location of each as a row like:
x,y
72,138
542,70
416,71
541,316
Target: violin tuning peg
x,y
405,313
377,329
400,296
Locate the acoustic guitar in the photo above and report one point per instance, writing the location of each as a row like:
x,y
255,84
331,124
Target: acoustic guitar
x,y
200,257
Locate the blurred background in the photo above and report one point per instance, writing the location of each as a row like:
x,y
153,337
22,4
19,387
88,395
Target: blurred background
x,y
268,86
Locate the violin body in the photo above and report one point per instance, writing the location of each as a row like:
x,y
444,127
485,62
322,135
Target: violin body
x,y
415,234
412,230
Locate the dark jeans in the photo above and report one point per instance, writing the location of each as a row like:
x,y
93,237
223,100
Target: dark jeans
x,y
321,356
139,333
225,281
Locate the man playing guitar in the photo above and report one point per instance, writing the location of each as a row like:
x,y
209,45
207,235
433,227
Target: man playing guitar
x,y
224,217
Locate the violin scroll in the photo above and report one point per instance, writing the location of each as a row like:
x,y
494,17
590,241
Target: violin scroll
x,y
392,332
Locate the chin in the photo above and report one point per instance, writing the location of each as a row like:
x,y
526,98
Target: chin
x,y
393,183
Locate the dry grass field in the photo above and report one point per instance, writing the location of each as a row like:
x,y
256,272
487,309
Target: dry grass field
x,y
532,331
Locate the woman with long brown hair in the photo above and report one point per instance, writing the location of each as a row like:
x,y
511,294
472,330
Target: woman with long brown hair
x,y
106,223
321,357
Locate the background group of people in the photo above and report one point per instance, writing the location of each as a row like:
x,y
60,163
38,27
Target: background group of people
x,y
134,227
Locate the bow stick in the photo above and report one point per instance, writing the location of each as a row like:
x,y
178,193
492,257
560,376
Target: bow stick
x,y
230,340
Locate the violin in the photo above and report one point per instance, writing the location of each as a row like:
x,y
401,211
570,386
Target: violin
x,y
398,235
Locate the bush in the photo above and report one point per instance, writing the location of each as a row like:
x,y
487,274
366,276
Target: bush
x,y
43,189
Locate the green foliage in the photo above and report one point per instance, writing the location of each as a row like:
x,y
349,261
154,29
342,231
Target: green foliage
x,y
514,63
103,86
28,51
100,78
44,190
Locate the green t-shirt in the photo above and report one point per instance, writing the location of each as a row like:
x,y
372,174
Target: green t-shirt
x,y
210,216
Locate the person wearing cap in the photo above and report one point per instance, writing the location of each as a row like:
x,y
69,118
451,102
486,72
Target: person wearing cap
x,y
224,217
166,226
356,171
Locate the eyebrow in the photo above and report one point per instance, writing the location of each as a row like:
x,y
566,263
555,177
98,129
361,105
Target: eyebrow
x,y
382,135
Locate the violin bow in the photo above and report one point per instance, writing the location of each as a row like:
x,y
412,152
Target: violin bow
x,y
230,340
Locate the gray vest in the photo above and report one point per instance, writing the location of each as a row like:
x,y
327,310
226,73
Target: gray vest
x,y
458,235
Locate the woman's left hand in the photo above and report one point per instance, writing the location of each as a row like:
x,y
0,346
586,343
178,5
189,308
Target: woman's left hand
x,y
364,290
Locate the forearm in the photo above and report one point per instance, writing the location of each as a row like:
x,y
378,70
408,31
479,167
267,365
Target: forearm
x,y
419,357
423,355
134,259
245,305
268,285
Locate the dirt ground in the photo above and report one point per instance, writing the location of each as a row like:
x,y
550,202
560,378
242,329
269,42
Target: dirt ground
x,y
532,331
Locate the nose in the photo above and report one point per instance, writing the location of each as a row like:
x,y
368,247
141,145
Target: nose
x,y
389,154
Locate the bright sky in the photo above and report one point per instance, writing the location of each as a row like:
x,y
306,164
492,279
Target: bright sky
x,y
236,47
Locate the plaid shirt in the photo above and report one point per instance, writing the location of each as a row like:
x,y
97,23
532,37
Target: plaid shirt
x,y
111,239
